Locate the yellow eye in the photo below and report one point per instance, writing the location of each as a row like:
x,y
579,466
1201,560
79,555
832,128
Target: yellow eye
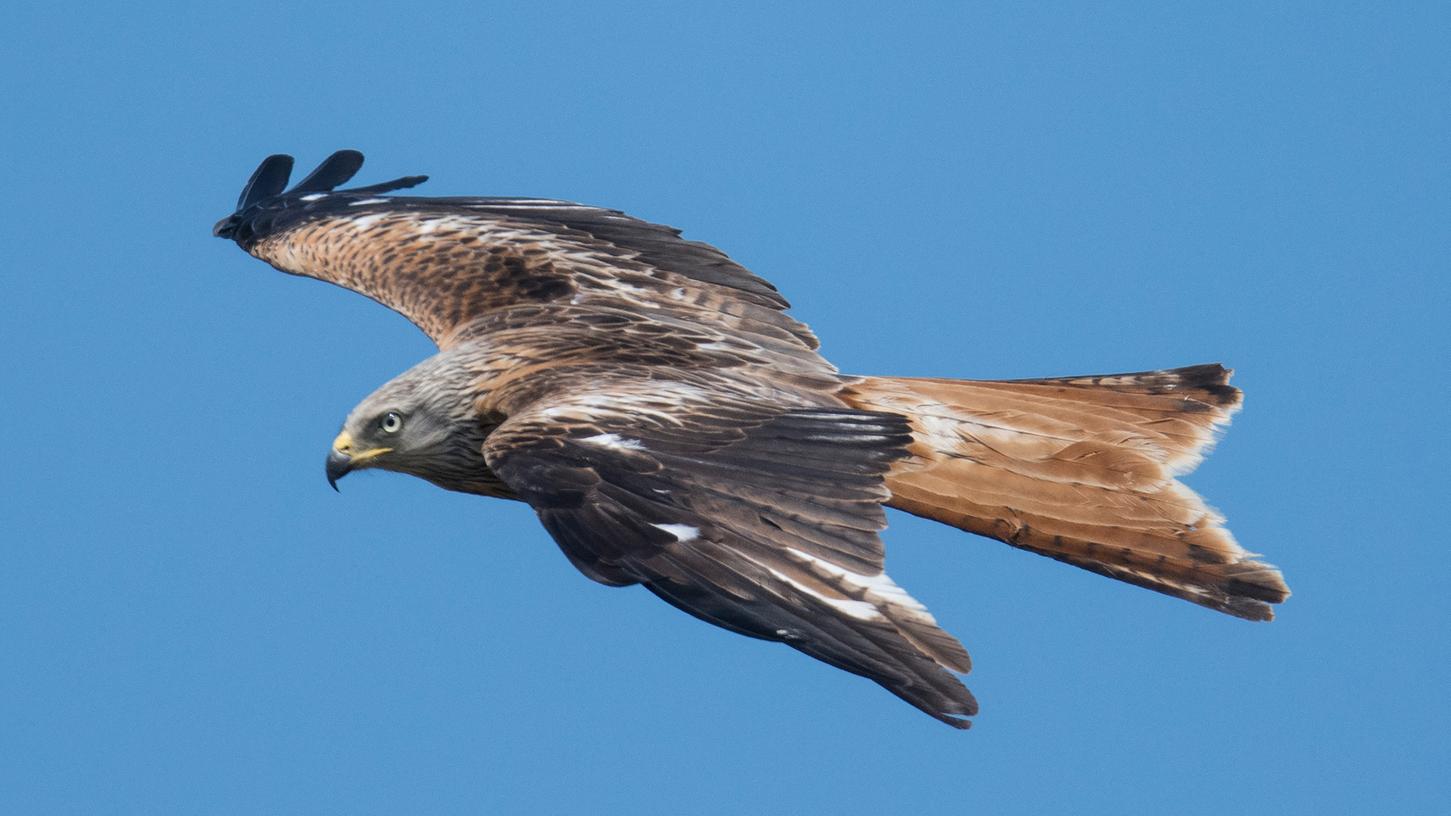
x,y
391,422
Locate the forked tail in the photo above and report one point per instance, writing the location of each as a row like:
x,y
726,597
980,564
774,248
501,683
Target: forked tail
x,y
1080,469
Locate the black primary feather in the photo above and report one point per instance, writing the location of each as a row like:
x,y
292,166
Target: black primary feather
x,y
334,170
264,207
269,179
389,186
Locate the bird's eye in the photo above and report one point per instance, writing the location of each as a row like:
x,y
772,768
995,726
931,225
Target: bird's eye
x,y
391,422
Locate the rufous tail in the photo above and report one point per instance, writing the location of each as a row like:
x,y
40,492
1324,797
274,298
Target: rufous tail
x,y
1080,469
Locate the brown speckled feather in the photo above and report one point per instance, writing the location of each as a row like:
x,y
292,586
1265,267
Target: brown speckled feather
x,y
442,263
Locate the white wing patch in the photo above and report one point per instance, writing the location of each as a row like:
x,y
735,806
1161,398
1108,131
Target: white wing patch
x,y
861,610
878,590
683,532
614,442
364,221
880,584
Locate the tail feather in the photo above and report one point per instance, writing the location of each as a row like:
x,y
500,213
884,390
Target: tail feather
x,y
1081,469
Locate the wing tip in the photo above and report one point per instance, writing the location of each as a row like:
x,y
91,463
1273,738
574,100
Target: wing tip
x,y
266,181
336,169
961,723
957,711
266,190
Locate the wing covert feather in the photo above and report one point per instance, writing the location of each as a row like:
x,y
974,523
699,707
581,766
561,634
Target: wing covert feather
x,y
445,262
759,519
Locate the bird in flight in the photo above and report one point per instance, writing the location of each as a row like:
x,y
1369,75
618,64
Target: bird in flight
x,y
673,427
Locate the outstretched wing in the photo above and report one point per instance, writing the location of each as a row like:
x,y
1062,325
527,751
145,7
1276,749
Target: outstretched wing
x,y
759,519
445,262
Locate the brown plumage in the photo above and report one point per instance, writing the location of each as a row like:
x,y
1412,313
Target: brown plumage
x,y
674,428
1080,469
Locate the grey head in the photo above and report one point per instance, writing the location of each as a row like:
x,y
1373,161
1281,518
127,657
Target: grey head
x,y
423,423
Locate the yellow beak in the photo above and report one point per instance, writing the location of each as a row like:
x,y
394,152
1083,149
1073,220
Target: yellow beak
x,y
343,459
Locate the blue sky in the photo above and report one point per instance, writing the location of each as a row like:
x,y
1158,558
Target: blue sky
x,y
190,621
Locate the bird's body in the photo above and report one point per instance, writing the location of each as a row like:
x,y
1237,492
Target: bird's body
x,y
673,427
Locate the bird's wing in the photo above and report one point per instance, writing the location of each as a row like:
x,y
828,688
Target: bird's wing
x,y
759,519
444,262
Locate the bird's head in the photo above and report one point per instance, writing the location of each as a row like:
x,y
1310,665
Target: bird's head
x,y
422,423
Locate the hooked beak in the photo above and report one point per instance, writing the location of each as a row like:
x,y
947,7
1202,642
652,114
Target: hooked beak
x,y
338,466
342,459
